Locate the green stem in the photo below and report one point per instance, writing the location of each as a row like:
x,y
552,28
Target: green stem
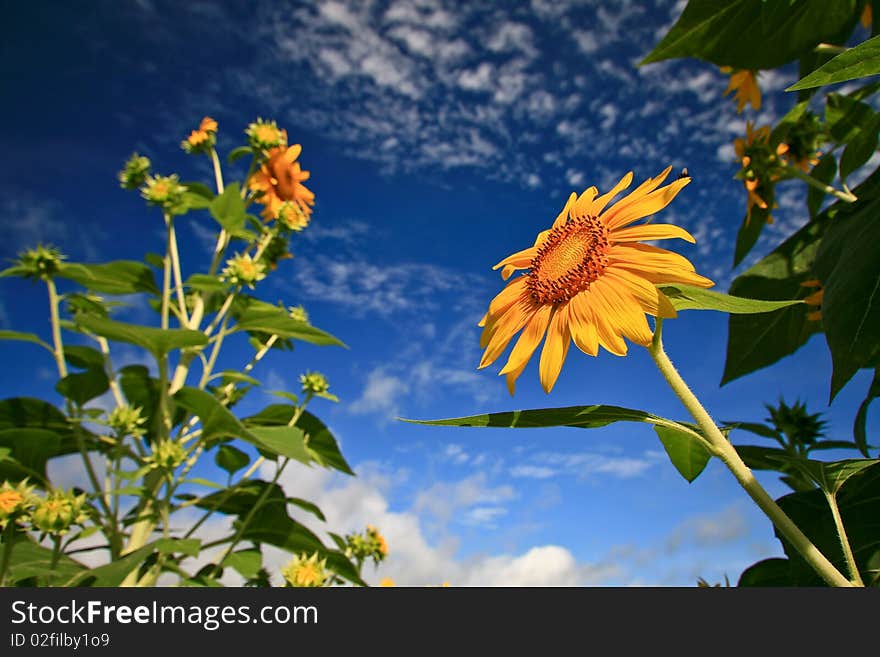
x,y
178,276
847,197
8,542
729,456
56,553
166,275
855,577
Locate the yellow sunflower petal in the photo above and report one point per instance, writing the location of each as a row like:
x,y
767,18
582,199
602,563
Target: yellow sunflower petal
x,y
554,351
599,204
582,326
651,299
627,316
503,330
651,232
520,259
563,216
513,376
585,202
528,340
651,203
602,314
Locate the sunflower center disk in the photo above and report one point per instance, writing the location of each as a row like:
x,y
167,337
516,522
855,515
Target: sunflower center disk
x,y
572,257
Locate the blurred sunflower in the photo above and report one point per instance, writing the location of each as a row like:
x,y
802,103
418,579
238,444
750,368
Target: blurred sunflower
x,y
279,180
744,84
588,280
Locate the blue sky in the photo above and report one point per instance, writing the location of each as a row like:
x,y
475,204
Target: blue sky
x,y
441,137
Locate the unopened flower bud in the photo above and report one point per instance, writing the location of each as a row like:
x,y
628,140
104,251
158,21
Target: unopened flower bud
x,y
264,135
243,270
167,455
58,512
134,174
304,571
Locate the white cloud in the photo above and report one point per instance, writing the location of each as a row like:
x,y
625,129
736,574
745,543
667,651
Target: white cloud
x,y
382,394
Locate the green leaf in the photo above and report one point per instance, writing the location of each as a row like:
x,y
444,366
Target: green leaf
x,y
859,504
753,34
857,62
830,476
188,546
246,562
861,147
283,441
308,506
238,153
848,264
229,376
758,457
271,523
80,387
25,337
277,322
31,449
157,341
750,229
113,573
205,283
859,432
845,116
687,297
118,277
30,413
754,427
769,572
140,390
231,459
198,196
585,417
754,341
31,561
229,210
216,420
687,453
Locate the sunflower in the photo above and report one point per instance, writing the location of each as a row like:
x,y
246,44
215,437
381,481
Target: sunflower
x,y
745,85
588,280
279,180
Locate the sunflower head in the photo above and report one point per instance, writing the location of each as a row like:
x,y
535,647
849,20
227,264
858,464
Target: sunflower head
x,y
39,263
202,139
265,135
280,180
243,270
588,280
59,511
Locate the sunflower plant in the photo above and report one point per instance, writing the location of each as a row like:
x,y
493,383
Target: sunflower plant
x,y
174,486
589,279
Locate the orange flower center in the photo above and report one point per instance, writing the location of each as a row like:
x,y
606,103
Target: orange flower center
x,y
285,175
9,499
267,134
572,257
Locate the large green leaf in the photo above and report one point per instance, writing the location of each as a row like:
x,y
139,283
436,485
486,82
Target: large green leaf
x,y
585,417
830,476
81,387
751,227
845,116
754,34
858,62
687,297
274,320
216,420
141,391
157,341
861,147
231,459
30,562
756,341
272,524
117,277
321,443
198,196
246,562
31,449
769,572
283,441
113,573
686,452
848,264
230,211
25,337
859,504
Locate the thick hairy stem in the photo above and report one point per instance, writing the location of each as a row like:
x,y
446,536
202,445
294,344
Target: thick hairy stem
x,y
729,456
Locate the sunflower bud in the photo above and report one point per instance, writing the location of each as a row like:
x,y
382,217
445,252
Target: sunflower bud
x,y
203,139
59,511
304,571
369,545
314,384
127,421
135,172
263,135
243,270
15,502
292,217
298,313
40,263
164,191
167,455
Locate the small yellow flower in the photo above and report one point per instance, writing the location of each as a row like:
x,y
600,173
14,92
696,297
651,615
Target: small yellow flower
x,y
745,85
15,502
203,138
304,571
243,270
387,582
208,125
